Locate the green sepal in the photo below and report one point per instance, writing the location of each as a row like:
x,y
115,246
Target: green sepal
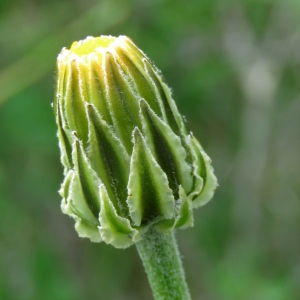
x,y
172,104
87,231
114,229
63,140
96,87
138,78
184,215
65,187
206,171
121,99
197,179
163,92
59,76
109,159
167,149
73,204
88,180
73,100
135,54
149,195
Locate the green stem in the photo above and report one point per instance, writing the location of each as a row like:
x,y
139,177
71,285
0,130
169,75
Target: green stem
x,y
161,259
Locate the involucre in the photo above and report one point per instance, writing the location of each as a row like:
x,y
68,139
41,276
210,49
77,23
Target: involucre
x,y
129,160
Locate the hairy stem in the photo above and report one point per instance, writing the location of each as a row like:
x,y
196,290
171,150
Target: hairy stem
x,y
161,259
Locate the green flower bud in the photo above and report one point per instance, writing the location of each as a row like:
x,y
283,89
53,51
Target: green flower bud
x,y
129,161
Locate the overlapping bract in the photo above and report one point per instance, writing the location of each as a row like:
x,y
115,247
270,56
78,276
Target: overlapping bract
x,y
128,158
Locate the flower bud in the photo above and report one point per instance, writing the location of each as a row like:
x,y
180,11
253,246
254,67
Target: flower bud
x,y
129,161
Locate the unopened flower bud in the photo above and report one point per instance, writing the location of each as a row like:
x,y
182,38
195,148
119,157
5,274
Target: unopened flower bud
x,y
129,161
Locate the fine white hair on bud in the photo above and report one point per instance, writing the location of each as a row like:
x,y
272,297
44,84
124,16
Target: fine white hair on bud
x,y
129,161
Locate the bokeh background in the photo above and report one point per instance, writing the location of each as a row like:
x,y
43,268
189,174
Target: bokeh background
x,y
234,69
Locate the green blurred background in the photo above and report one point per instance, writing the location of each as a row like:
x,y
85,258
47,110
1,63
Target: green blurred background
x,y
234,69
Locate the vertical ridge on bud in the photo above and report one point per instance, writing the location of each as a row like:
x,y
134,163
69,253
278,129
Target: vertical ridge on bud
x,y
205,171
114,229
142,86
160,93
60,70
122,104
150,197
75,204
73,100
109,159
185,217
64,144
167,148
96,88
87,180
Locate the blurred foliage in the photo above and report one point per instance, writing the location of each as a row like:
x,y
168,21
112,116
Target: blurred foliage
x,y
234,68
